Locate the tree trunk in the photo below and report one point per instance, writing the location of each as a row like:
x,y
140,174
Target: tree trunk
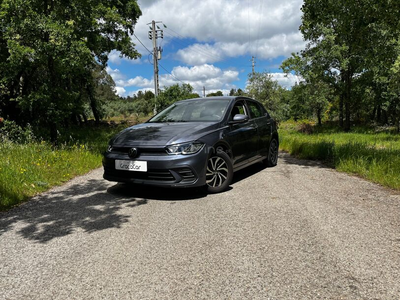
x,y
347,100
373,115
53,134
319,113
78,116
341,100
93,104
379,114
385,117
95,111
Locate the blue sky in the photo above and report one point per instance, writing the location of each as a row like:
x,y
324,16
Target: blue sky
x,y
210,43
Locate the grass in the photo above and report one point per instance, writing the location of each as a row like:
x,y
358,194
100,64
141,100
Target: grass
x,y
372,155
28,169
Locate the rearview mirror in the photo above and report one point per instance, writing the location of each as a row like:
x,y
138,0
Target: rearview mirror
x,y
239,118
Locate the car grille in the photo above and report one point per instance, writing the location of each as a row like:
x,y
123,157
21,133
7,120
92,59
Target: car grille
x,y
141,151
185,175
152,175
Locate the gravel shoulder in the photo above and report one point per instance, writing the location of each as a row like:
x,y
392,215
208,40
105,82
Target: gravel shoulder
x,y
296,231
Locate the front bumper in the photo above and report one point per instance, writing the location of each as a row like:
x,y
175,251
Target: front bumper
x,y
162,169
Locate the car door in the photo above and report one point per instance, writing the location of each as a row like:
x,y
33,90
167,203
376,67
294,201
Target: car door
x,y
243,137
263,122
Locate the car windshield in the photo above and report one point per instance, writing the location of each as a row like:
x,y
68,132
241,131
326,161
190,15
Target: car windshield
x,y
202,110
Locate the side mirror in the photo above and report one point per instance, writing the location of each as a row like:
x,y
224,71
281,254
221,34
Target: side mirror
x,y
239,118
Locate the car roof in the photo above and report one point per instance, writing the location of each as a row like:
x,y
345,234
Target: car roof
x,y
232,98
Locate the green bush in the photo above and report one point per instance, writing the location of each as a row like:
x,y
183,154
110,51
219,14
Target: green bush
x,y
10,131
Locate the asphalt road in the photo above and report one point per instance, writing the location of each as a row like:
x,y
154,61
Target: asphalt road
x,y
296,231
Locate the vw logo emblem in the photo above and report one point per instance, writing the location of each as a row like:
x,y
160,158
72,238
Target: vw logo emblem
x,y
133,152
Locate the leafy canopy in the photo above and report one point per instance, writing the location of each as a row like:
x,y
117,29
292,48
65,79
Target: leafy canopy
x,y
50,50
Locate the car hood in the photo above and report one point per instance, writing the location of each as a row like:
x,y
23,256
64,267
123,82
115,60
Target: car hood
x,y
161,134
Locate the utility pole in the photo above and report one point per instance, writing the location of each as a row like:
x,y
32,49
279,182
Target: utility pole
x,y
154,34
253,63
204,91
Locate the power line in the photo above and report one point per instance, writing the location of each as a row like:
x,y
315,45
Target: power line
x,y
259,25
142,44
248,23
170,73
158,63
198,50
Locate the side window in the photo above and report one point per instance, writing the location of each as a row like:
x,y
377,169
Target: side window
x,y
255,110
239,108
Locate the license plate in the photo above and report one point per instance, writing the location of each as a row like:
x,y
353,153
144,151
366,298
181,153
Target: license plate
x,y
131,165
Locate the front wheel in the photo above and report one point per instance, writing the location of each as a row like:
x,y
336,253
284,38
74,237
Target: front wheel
x,y
272,159
219,172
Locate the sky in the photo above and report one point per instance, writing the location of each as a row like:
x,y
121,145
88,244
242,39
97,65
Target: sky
x,y
210,43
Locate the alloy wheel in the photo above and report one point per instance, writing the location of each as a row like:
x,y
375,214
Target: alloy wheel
x,y
217,171
273,153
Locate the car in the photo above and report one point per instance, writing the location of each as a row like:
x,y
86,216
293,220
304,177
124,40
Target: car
x,y
194,143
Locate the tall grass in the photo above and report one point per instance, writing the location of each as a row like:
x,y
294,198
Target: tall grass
x,y
29,168
371,155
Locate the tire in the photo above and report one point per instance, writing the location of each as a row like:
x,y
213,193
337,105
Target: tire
x,y
219,172
272,159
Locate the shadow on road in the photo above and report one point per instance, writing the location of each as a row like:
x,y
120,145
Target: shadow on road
x,y
85,206
90,207
156,193
291,160
248,172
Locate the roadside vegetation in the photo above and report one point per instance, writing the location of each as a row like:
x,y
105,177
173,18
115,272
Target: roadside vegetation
x,y
29,164
371,153
56,96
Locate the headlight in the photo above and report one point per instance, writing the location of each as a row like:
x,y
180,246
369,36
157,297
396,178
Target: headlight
x,y
109,149
186,148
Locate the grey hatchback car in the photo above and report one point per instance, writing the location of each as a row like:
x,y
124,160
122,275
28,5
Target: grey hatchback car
x,y
194,142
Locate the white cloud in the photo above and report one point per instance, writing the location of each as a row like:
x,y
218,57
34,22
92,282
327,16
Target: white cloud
x,y
120,91
226,28
137,81
197,72
115,58
115,74
202,33
286,81
278,45
208,76
199,54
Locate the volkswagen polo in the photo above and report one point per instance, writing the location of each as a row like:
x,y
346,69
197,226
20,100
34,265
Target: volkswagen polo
x,y
194,142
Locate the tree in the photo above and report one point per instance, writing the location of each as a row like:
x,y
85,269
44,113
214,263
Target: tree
x,y
262,87
218,93
100,90
49,49
238,92
174,93
351,52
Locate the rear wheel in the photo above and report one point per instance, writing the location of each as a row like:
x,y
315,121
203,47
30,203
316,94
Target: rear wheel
x,y
272,159
219,172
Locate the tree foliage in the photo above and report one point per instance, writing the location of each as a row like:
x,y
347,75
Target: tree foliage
x,y
217,93
174,93
262,87
51,51
350,57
